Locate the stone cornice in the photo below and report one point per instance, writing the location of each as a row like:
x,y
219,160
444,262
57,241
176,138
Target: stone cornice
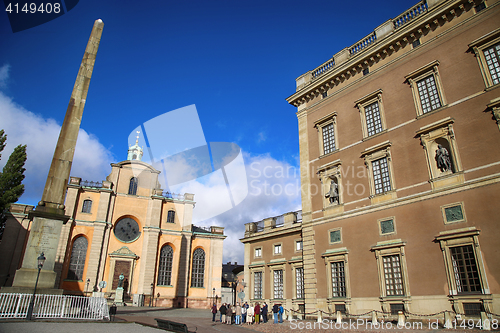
x,y
380,49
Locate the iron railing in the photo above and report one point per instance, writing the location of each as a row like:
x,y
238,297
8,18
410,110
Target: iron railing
x,y
54,306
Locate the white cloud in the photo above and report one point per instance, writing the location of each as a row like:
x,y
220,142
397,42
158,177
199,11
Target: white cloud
x,y
90,162
273,189
4,75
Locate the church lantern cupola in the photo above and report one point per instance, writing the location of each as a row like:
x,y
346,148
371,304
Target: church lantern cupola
x,y
135,152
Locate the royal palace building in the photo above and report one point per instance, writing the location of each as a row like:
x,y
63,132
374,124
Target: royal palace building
x,y
126,225
400,171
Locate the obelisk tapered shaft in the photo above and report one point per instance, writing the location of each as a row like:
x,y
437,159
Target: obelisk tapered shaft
x,y
57,180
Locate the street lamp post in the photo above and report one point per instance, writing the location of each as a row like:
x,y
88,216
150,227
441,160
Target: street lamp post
x,y
152,294
41,260
87,287
213,295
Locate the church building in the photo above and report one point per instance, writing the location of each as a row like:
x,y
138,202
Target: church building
x,y
126,225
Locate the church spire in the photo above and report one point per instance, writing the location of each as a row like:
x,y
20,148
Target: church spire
x,y
135,152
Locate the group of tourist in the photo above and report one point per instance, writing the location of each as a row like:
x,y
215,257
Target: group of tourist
x,y
245,313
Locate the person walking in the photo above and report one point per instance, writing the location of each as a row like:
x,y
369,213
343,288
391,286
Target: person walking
x,y
223,311
264,312
237,316
229,314
244,312
276,310
281,310
214,312
249,315
257,313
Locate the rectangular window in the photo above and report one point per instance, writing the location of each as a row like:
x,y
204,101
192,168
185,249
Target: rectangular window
x,y
299,276
473,309
396,307
328,138
298,245
277,249
492,57
428,92
338,279
373,120
393,276
257,285
258,252
465,269
341,308
381,178
278,284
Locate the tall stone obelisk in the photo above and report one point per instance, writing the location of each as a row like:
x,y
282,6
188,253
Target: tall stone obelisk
x,y
49,215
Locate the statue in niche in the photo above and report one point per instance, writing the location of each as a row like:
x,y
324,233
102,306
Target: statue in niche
x,y
443,159
333,193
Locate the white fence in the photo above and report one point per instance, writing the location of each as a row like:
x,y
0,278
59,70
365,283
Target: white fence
x,y
54,306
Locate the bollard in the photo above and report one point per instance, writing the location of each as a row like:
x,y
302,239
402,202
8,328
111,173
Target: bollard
x,y
485,322
447,320
374,317
319,317
401,319
339,317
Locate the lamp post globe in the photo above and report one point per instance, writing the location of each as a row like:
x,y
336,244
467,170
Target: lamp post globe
x,y
41,260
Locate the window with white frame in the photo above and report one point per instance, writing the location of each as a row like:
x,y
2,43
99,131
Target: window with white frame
x,y
427,88
257,285
392,269
492,58
327,133
381,178
372,115
299,282
258,252
392,275
487,51
337,271
463,260
278,284
298,245
338,279
277,248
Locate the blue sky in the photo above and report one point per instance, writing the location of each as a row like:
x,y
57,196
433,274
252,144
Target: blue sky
x,y
236,61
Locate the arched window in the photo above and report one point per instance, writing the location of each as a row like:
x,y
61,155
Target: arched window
x,y
165,266
87,206
77,261
171,216
132,188
198,268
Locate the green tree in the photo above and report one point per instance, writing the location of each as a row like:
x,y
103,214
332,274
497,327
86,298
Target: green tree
x,y
11,187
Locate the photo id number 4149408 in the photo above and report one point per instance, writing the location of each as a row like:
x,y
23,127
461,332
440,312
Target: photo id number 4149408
x,y
472,323
32,8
